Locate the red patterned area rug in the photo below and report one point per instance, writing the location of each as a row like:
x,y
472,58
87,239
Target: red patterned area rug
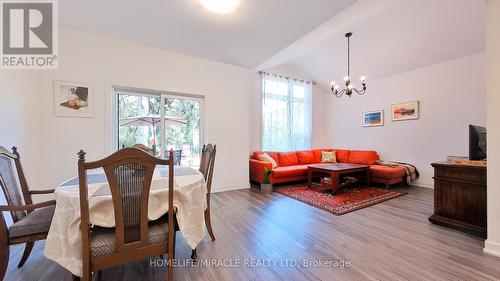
x,y
347,200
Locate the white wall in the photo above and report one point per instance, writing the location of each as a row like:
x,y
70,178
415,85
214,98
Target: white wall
x,y
452,95
492,245
103,61
19,122
320,134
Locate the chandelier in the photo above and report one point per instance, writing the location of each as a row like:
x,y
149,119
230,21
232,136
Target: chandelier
x,y
349,87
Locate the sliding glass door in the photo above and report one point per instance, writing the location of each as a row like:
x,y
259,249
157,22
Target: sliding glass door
x,y
161,122
182,131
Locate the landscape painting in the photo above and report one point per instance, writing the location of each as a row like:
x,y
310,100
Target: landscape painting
x,y
373,118
405,111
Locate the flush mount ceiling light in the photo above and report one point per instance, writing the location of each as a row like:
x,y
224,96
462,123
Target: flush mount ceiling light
x,y
220,6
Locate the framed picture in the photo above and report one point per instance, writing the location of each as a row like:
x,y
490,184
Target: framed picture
x,y
405,111
373,118
73,99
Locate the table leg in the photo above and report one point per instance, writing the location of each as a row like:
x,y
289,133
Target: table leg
x,y
309,178
335,182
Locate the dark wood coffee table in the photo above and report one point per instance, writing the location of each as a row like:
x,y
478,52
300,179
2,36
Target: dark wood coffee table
x,y
334,170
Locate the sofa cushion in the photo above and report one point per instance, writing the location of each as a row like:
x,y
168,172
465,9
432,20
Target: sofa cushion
x,y
386,172
289,171
317,154
363,157
342,155
328,157
305,157
273,155
287,159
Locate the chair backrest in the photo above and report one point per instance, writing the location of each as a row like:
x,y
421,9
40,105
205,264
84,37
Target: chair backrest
x,y
129,172
143,147
177,156
13,182
207,163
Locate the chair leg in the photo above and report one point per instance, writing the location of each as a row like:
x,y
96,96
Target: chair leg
x,y
27,250
194,254
4,258
170,257
87,275
170,271
208,223
173,246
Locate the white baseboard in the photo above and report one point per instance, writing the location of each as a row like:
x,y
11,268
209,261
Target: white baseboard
x,y
492,248
424,184
217,189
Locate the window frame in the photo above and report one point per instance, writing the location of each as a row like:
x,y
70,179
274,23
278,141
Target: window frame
x,y
163,95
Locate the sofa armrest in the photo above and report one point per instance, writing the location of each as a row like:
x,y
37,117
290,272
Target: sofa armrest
x,y
257,169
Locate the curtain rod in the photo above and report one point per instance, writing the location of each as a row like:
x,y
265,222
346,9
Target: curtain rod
x,y
287,77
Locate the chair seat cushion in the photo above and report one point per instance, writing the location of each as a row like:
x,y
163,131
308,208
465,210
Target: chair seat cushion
x,y
36,222
289,171
386,172
103,240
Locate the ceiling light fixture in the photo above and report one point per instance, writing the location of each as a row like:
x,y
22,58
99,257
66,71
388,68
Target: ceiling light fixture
x,y
349,87
220,6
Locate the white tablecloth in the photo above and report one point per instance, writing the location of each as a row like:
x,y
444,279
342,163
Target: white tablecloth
x,y
64,241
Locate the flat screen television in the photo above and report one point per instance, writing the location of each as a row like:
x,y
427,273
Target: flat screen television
x,y
477,143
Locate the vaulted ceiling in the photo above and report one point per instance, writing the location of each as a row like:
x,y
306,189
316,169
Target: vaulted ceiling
x,y
390,37
255,31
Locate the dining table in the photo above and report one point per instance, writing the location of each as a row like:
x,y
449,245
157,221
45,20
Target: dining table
x,y
64,240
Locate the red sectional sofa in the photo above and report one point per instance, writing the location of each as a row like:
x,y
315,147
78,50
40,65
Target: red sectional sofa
x,y
292,166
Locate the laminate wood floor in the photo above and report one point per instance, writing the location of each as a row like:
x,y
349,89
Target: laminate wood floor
x,y
389,241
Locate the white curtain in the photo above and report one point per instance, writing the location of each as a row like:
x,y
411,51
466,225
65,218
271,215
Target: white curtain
x,y
286,113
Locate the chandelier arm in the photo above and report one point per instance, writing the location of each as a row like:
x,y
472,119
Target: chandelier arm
x,y
341,93
362,92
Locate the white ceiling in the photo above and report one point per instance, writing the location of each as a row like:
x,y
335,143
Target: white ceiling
x,y
390,37
255,31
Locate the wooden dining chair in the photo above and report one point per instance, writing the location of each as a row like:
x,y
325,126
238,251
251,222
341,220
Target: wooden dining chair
x,y
207,162
144,147
129,172
31,222
207,169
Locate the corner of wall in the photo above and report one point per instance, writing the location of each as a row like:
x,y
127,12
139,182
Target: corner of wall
x,y
492,248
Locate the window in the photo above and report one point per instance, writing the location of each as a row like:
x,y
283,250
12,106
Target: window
x,y
139,121
286,114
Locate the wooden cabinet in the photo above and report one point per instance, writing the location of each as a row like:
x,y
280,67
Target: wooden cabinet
x,y
460,197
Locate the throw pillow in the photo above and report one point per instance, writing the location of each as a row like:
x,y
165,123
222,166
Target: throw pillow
x,y
328,157
266,158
